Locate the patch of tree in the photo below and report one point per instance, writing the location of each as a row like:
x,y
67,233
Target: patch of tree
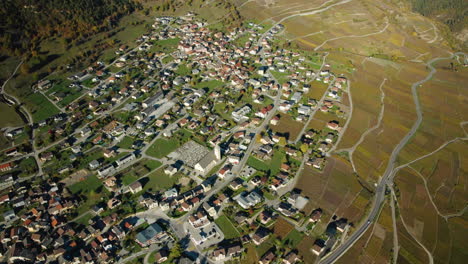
x,y
26,22
453,13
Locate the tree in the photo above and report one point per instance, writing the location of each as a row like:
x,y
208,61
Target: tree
x,y
304,148
282,141
25,69
176,251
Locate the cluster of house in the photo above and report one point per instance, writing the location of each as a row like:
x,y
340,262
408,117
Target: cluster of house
x,y
158,99
172,200
43,232
271,256
292,204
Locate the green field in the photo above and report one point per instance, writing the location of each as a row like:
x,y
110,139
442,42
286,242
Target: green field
x,y
257,164
84,219
162,147
127,179
165,45
293,238
92,183
126,142
92,190
227,227
272,165
282,77
61,86
40,107
152,164
210,85
9,117
158,180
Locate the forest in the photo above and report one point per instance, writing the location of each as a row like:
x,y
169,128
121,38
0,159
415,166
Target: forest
x,y
26,22
453,13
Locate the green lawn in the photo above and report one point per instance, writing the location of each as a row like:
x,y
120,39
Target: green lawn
x,y
269,196
158,180
273,165
128,178
257,164
162,147
89,82
221,110
293,238
167,59
229,230
265,246
276,161
182,70
165,45
185,134
281,77
126,142
209,84
94,154
84,219
27,166
92,190
153,164
92,183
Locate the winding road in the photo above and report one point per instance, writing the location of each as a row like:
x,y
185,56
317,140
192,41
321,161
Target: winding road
x,y
364,135
389,174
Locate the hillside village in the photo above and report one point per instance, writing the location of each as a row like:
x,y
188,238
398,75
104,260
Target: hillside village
x,y
176,151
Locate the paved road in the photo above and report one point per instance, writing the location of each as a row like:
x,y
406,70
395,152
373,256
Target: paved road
x,y
389,174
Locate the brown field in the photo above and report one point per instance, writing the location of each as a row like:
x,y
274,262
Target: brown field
x,y
317,90
442,114
375,246
424,221
445,173
282,228
386,42
327,117
335,190
317,124
304,249
251,255
410,251
288,126
356,250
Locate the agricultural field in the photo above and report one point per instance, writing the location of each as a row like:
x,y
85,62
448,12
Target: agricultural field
x,y
432,199
355,252
336,190
442,114
251,255
304,248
